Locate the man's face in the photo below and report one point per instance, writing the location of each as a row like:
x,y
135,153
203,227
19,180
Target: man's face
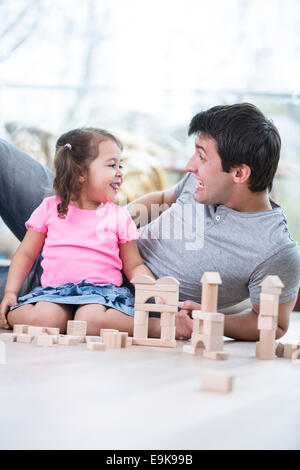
x,y
214,185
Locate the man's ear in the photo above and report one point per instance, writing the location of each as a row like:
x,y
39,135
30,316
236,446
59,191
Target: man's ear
x,y
241,174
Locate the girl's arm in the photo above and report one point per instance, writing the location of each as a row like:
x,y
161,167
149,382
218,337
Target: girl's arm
x,y
20,267
132,262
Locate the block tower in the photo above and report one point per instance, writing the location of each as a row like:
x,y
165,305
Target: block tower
x,y
166,288
208,325
271,288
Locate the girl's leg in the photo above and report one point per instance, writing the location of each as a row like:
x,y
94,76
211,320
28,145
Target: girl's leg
x,y
98,317
42,314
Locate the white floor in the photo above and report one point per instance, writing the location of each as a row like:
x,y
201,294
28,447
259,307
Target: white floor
x,y
146,398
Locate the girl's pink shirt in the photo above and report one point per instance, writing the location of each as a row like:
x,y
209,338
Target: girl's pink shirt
x,y
84,245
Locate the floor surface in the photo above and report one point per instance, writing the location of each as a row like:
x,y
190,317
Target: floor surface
x,y
64,397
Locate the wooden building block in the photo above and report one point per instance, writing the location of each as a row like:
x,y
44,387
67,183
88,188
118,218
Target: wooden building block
x,y
107,330
215,355
96,346
124,338
24,338
211,343
189,349
167,319
129,342
208,316
19,329
76,328
141,317
168,333
93,339
265,348
8,337
268,305
289,350
112,340
209,296
52,331
140,331
216,382
45,340
156,307
272,285
266,323
69,340
156,342
36,330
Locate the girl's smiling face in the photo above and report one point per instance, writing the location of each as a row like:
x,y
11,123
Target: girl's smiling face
x,y
103,179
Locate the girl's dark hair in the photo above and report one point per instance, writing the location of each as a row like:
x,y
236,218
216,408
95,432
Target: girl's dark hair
x,y
75,150
243,135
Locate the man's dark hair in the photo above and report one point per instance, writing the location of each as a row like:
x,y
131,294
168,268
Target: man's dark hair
x,y
243,135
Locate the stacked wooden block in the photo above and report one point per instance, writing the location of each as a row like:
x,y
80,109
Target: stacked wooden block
x,y
271,288
165,288
208,325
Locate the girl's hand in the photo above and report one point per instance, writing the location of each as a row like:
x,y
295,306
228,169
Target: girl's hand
x,y
9,300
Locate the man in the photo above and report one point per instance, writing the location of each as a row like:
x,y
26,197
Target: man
x,y
218,218
245,234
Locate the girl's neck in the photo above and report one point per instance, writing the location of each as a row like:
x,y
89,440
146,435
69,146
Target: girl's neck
x,y
86,205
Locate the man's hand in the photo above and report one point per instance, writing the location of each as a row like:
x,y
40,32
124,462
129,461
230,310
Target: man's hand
x,y
183,319
9,300
189,306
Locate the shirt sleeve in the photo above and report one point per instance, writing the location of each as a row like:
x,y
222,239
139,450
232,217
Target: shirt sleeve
x,y
38,219
284,264
184,184
127,230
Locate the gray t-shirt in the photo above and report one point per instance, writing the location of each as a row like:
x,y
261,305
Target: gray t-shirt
x,y
190,238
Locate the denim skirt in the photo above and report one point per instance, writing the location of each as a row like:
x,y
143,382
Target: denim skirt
x,y
119,298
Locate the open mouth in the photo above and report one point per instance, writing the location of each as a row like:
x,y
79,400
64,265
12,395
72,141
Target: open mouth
x,y
115,186
200,184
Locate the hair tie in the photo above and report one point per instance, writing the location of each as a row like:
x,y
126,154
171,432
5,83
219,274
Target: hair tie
x,y
69,146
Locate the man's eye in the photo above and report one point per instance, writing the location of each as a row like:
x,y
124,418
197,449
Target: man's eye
x,y
121,167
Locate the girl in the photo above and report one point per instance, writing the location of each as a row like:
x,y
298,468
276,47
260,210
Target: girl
x,y
86,241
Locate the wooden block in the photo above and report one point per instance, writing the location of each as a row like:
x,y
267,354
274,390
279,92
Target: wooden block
x,y
215,355
268,306
69,340
265,349
168,333
52,331
156,307
19,329
153,342
140,331
279,350
124,338
289,349
209,298
272,285
216,382
189,349
93,339
34,339
112,340
96,346
266,323
45,340
129,342
24,338
208,316
211,343
107,330
76,328
158,288
167,319
36,330
8,337
141,317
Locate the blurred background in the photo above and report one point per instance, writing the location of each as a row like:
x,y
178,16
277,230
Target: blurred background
x,y
142,69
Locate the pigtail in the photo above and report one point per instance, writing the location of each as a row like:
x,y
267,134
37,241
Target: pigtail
x,y
64,179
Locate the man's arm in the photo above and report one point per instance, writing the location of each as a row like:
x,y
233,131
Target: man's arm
x,y
243,326
148,207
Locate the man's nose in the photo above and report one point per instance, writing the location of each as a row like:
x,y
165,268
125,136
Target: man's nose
x,y
190,166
